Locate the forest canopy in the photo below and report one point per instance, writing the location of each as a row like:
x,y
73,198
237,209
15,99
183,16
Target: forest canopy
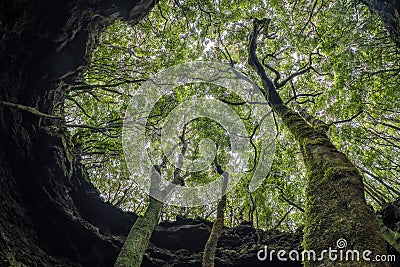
x,y
331,60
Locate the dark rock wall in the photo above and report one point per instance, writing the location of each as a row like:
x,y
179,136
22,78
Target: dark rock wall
x,y
50,214
180,244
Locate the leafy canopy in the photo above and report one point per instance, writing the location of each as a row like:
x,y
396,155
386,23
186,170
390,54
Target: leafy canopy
x,y
334,58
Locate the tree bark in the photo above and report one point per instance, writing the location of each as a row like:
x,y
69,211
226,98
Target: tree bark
x,y
131,254
389,11
336,206
50,213
216,231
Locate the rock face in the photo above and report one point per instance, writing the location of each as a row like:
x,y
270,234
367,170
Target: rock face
x,y
389,11
180,243
50,214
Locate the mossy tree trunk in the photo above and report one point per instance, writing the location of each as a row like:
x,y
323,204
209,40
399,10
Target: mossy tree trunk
x,y
216,231
136,243
132,252
391,237
211,245
336,206
389,11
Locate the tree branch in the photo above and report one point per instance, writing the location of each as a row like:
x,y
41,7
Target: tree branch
x,y
347,120
30,110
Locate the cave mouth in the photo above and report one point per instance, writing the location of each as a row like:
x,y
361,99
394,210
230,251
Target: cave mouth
x,y
95,107
50,214
94,110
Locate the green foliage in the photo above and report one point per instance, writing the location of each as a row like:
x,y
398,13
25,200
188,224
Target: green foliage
x,y
354,67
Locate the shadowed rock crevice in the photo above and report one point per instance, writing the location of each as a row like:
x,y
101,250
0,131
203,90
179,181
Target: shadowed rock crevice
x,y
50,213
181,243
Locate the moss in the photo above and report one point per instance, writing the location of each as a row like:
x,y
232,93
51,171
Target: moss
x,y
68,155
392,237
323,128
216,231
8,260
316,141
296,124
136,243
335,206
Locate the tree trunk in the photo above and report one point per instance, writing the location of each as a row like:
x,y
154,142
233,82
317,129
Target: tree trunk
x,y
336,206
50,213
389,11
131,254
216,231
136,243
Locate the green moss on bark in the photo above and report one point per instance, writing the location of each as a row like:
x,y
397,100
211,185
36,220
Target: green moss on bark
x,y
392,237
336,206
136,243
211,245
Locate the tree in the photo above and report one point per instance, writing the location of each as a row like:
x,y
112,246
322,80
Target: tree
x,y
138,238
389,13
345,66
193,133
336,205
211,245
352,87
313,64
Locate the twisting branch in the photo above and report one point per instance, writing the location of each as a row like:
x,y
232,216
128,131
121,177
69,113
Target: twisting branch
x,y
292,76
262,25
347,120
301,71
285,198
162,15
231,61
277,73
31,110
383,123
106,87
311,120
303,95
79,106
268,89
283,218
310,17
